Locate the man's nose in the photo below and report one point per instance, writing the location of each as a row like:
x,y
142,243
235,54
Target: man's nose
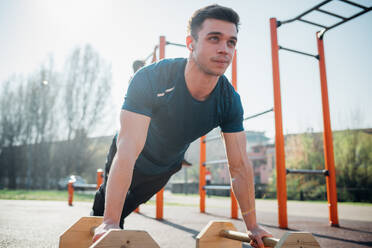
x,y
222,48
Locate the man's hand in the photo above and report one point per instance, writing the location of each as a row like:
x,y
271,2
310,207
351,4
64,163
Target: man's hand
x,y
102,229
256,234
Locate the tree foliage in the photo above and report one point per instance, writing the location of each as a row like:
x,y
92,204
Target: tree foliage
x,y
47,117
353,162
353,157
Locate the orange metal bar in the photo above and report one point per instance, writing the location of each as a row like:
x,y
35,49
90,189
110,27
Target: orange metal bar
x,y
281,184
234,205
328,143
162,47
159,195
154,55
159,204
234,79
70,190
99,178
203,147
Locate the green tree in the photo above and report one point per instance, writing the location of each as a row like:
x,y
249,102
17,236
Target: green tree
x,y
353,162
353,158
305,151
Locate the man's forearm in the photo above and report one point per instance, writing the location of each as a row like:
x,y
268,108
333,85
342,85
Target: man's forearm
x,y
119,180
243,187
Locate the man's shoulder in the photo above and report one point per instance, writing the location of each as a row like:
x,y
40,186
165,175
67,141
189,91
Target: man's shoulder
x,y
165,73
165,66
228,98
226,88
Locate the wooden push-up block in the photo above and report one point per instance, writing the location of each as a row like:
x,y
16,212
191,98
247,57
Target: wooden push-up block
x,y
80,235
223,234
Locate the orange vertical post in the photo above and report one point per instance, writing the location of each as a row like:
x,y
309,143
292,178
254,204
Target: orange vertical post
x,y
234,81
154,55
159,204
203,156
281,185
70,190
328,142
99,178
234,69
160,194
234,205
162,44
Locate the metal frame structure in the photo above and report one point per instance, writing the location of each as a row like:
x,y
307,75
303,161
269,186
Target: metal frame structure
x,y
71,187
329,171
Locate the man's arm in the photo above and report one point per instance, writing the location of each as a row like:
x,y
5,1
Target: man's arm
x,y
242,181
130,142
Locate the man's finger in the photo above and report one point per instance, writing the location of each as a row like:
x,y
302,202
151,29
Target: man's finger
x,y
259,242
97,236
252,243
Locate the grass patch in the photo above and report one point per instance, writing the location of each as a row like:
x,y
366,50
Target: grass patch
x,y
367,204
61,195
43,195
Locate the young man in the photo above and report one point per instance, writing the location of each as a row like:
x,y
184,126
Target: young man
x,y
170,104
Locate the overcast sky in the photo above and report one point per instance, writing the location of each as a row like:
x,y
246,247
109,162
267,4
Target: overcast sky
x,y
123,31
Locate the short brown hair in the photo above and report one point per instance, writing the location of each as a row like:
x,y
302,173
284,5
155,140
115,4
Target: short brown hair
x,y
214,11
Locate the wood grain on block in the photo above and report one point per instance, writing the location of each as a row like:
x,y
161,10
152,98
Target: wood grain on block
x,y
125,239
223,234
297,240
210,237
80,235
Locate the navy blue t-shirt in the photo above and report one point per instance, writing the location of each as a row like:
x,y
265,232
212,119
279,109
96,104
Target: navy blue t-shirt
x,y
177,119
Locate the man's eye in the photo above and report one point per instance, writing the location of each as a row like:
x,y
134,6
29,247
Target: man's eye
x,y
232,43
213,38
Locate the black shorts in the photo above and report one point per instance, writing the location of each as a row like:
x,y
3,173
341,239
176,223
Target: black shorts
x,y
142,188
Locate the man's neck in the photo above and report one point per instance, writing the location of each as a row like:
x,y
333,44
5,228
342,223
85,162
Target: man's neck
x,y
199,83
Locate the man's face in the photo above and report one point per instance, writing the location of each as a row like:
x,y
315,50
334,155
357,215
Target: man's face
x,y
215,46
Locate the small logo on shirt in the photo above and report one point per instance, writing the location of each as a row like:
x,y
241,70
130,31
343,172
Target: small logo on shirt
x,y
166,91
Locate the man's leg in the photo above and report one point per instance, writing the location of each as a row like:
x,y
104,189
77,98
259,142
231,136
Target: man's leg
x,y
99,199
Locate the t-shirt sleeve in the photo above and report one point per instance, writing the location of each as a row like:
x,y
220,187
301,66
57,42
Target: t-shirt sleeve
x,y
139,98
233,119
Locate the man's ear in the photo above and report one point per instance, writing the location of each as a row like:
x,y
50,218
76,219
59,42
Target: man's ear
x,y
189,42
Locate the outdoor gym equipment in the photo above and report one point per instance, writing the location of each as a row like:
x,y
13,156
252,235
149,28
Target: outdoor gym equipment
x,y
71,187
329,172
80,235
223,234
